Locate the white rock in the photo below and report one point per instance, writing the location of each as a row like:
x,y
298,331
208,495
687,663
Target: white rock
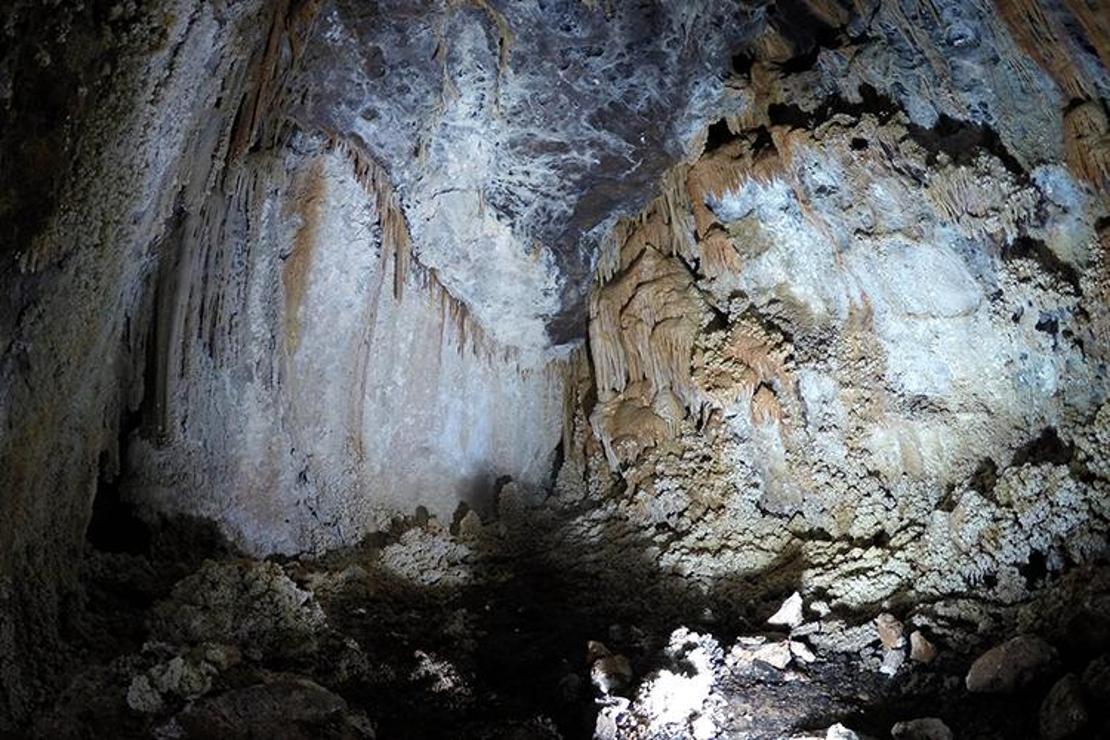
x,y
776,654
790,613
703,728
840,732
802,652
892,661
608,718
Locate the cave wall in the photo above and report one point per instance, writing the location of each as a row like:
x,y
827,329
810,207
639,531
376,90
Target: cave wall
x,y
300,267
861,340
328,398
128,101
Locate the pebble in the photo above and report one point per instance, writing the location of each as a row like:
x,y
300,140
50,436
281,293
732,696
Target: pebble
x,y
1063,711
1011,665
891,632
790,613
926,728
921,650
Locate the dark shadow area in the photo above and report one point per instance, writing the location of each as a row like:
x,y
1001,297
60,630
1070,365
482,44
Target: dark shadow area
x,y
491,656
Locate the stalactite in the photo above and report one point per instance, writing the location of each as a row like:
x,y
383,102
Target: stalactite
x,y
1043,40
309,191
972,200
1087,142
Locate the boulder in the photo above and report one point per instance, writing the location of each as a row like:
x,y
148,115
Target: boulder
x,y
921,650
891,631
1011,665
1064,711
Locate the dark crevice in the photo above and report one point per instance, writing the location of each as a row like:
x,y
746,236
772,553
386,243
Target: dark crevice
x,y
114,526
805,31
1026,247
1035,569
871,103
718,135
742,65
1047,447
961,142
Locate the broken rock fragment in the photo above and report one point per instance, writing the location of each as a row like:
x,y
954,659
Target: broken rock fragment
x,y
890,631
789,614
892,661
802,652
1011,665
775,654
921,650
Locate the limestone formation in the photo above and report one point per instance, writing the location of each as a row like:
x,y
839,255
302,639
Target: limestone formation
x,y
360,362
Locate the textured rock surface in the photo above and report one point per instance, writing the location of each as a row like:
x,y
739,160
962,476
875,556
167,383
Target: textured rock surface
x,y
316,270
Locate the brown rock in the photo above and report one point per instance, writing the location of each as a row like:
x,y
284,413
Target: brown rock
x,y
1011,665
921,650
891,631
1064,711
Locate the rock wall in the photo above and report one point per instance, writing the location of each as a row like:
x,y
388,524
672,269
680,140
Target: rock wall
x,y
302,267
107,114
311,404
860,339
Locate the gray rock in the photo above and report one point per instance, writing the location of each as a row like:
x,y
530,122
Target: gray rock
x,y
1011,665
926,728
288,708
1064,711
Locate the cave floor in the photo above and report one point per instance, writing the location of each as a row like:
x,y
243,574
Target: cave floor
x,y
425,634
